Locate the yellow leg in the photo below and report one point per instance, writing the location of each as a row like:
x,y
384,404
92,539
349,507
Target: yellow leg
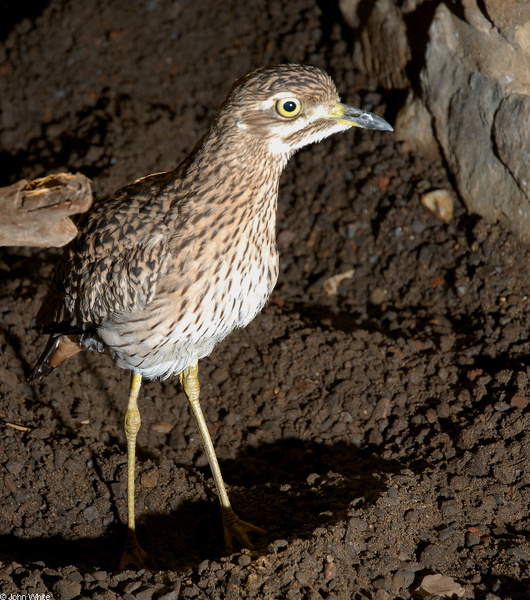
x,y
233,527
132,552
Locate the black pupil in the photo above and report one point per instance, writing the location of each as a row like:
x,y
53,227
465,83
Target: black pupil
x,y
289,106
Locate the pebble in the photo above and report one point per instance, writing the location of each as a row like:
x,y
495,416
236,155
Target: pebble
x,y
519,401
104,595
203,566
472,539
91,513
66,589
446,533
383,582
75,576
146,593
432,555
440,203
402,579
132,587
304,578
278,545
10,318
448,508
171,595
162,427
440,585
378,295
502,406
149,479
244,560
285,238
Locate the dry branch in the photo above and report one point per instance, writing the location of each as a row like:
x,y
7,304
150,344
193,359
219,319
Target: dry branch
x,y
36,213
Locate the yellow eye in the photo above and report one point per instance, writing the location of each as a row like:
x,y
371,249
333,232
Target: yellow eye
x,y
288,107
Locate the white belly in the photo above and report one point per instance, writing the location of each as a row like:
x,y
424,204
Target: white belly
x,y
163,341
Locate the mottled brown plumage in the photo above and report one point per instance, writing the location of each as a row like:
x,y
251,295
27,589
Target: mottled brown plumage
x,y
166,267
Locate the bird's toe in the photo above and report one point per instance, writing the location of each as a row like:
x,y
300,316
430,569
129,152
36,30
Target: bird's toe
x,y
133,556
237,529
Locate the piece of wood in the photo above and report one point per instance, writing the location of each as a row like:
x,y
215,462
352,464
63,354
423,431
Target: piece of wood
x,y
36,213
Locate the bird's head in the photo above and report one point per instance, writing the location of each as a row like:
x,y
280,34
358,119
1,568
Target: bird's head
x,y
289,106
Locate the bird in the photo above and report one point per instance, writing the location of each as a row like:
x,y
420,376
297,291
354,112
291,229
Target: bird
x,y
162,270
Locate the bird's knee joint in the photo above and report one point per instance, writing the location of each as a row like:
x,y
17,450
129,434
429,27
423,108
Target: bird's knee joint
x,y
132,423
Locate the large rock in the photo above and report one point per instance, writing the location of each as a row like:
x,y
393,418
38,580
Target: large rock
x,y
471,95
476,86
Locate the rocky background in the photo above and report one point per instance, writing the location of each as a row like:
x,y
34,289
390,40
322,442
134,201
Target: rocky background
x,y
465,66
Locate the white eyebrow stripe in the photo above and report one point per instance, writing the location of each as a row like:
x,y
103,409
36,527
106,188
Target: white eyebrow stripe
x,y
266,104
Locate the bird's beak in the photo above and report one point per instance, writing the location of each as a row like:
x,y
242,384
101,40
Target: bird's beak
x,y
347,115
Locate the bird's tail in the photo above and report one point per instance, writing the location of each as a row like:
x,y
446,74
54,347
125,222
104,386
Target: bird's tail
x,y
58,348
43,365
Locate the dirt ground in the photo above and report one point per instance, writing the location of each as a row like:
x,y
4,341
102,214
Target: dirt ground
x,y
379,431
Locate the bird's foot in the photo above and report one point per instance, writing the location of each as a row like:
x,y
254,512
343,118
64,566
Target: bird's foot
x,y
235,528
133,555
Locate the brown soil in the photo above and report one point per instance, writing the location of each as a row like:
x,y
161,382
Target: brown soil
x,y
380,434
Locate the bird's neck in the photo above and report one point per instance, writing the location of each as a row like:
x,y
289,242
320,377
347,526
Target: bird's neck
x,y
236,173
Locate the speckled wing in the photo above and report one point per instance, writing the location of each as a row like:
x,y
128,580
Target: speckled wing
x,y
114,264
